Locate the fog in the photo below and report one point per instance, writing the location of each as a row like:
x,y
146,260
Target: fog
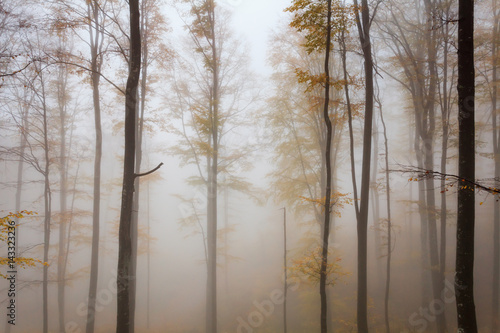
x,y
230,100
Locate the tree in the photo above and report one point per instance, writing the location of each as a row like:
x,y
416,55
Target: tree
x,y
212,93
36,147
464,276
62,98
153,50
407,30
363,23
40,146
125,277
486,58
96,34
389,220
321,20
203,32
297,127
14,21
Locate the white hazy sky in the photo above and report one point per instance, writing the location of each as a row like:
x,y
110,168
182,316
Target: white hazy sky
x,y
254,19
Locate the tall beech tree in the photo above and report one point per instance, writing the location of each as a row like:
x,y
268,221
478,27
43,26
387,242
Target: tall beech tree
x,y
63,95
203,32
320,20
406,31
42,109
464,276
487,40
95,29
126,273
153,26
125,277
212,93
297,127
363,22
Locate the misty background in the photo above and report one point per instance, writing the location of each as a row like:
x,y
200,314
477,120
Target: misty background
x,y
270,160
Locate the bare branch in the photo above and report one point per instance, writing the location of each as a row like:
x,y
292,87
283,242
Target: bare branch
x,y
149,172
474,183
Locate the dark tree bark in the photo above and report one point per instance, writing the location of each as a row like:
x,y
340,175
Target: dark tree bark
x,y
363,24
138,151
464,277
328,164
125,277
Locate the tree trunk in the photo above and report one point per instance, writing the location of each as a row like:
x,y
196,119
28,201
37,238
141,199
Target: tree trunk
x,y
445,117
363,24
328,191
464,277
211,310
375,204
428,136
47,209
496,153
95,43
138,158
389,225
125,277
61,259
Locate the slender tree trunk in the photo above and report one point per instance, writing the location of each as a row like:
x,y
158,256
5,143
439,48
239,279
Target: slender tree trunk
x,y
496,152
351,133
125,261
211,316
464,277
47,210
428,136
95,43
389,225
445,116
328,192
375,204
61,267
363,24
